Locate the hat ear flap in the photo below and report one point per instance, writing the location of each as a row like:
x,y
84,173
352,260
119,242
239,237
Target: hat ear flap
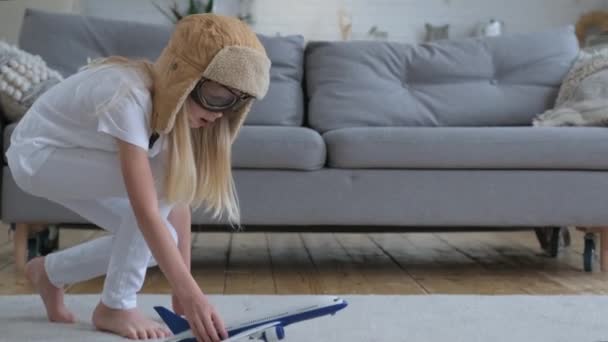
x,y
174,80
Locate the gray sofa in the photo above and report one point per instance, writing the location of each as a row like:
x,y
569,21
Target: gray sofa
x,y
378,134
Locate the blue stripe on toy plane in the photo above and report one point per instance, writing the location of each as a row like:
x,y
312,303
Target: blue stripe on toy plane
x,y
175,323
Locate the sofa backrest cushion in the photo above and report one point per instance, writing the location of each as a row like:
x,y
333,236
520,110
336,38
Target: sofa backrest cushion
x,y
66,41
497,81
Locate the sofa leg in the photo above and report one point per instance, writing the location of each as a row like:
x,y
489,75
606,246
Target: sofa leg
x,y
20,246
602,249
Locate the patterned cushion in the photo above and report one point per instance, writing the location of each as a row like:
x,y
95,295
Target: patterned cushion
x,y
587,64
23,77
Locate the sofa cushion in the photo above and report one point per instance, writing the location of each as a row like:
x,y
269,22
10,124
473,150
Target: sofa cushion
x,y
264,147
468,148
75,38
271,147
284,103
492,81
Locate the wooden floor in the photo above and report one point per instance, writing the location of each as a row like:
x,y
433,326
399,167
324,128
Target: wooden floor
x,y
344,263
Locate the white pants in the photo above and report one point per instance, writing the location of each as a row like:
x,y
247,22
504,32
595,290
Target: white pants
x,y
90,183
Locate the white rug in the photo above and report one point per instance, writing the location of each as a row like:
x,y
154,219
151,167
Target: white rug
x,y
367,318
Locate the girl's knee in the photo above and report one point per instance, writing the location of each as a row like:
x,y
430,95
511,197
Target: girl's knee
x,y
29,184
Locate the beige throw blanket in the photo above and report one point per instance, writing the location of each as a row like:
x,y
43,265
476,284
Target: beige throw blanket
x,y
583,96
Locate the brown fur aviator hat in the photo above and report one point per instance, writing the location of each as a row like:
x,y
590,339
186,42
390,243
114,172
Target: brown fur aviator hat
x,y
219,48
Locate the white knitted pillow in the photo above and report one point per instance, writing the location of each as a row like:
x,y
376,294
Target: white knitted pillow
x,y
23,77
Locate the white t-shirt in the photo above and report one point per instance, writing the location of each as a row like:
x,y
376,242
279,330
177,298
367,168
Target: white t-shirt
x,y
89,109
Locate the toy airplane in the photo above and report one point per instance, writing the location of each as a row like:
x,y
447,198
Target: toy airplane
x,y
268,329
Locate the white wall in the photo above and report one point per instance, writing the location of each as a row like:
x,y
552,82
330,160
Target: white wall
x,y
403,19
11,14
317,19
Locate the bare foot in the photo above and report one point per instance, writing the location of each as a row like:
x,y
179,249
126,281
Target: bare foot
x,y
127,323
52,296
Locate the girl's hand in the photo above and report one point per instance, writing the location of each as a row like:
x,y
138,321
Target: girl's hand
x,y
205,322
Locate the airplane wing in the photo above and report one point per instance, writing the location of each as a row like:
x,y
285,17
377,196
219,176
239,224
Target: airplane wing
x,y
247,335
253,333
181,329
327,306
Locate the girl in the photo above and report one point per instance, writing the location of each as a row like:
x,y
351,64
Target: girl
x,y
131,146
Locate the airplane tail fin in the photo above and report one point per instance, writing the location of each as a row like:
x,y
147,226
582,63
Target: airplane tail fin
x,y
175,323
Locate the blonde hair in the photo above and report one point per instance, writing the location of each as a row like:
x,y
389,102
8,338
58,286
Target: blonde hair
x,y
200,170
199,160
